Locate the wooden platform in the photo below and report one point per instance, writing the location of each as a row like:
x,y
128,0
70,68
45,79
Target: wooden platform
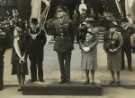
x,y
62,89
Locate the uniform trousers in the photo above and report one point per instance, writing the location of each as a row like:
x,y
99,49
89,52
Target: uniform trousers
x,y
64,62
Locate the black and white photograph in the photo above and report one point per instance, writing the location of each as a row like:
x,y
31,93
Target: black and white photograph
x,y
67,48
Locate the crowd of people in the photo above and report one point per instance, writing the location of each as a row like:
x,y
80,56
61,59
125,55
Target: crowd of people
x,y
29,38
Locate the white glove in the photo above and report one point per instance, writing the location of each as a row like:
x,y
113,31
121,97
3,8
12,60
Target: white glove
x,y
86,49
21,59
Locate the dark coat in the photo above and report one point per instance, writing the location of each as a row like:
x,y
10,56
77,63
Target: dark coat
x,y
35,49
3,40
64,34
126,39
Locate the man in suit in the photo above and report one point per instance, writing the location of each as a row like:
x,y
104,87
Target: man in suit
x,y
126,49
37,40
3,43
62,27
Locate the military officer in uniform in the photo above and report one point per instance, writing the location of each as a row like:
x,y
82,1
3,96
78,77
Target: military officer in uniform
x,y
62,28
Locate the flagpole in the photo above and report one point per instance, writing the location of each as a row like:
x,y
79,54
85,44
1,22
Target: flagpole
x,y
119,7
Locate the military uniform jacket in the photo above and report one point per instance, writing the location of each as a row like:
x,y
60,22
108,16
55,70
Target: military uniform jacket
x,y
64,35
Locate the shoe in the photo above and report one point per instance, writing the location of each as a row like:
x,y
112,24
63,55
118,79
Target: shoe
x,y
86,82
62,81
1,88
68,81
1,85
93,83
19,89
112,82
33,80
118,83
42,80
130,69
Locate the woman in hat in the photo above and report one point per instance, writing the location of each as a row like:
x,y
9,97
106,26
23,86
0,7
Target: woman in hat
x,y
89,54
113,45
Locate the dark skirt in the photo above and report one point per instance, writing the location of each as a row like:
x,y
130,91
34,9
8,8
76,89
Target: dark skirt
x,y
19,68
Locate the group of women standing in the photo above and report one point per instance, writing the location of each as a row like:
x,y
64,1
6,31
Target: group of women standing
x,y
113,42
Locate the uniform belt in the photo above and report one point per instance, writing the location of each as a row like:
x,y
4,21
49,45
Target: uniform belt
x,y
64,37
